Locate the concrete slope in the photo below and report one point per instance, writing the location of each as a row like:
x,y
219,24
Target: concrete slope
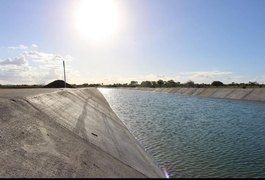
x,y
253,94
68,133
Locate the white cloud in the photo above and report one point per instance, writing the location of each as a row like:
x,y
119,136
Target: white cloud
x,y
34,67
19,47
18,61
14,71
34,45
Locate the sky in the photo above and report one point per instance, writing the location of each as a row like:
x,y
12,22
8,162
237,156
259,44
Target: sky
x,y
117,41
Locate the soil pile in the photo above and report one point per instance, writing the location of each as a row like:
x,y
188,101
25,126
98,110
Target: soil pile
x,y
58,84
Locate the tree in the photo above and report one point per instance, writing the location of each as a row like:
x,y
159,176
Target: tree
x,y
253,83
85,85
134,83
160,83
154,84
190,83
146,84
171,83
217,83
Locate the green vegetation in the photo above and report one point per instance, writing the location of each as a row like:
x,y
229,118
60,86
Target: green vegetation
x,y
189,84
21,86
156,84
217,83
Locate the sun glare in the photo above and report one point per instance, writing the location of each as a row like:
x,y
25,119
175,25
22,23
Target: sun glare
x,y
97,19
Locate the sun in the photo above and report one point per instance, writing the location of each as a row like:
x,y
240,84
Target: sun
x,y
97,19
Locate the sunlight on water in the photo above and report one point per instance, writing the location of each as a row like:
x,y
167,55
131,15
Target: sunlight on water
x,y
195,136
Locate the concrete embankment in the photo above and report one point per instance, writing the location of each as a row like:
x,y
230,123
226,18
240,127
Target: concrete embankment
x,y
67,133
254,94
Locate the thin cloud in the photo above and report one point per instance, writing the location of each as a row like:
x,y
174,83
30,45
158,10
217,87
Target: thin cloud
x,y
161,76
19,47
34,45
207,74
36,55
198,77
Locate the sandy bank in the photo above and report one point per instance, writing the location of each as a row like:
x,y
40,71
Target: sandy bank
x,y
67,133
254,94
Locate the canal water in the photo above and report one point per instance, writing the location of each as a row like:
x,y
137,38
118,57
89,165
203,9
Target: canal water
x,y
195,137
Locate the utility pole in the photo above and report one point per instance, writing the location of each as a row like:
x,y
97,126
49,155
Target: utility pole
x,y
64,75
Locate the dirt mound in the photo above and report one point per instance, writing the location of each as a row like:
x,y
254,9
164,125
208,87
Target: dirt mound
x,y
58,84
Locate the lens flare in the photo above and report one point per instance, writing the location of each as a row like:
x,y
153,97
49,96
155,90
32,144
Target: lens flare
x,y
165,172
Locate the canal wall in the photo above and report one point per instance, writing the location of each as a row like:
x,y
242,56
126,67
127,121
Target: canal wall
x,y
253,94
68,133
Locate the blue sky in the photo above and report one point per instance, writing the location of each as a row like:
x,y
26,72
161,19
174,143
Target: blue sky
x,y
199,40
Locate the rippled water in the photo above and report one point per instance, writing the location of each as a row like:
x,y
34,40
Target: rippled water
x,y
195,136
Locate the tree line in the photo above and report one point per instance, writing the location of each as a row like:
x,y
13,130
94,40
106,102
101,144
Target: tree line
x,y
191,84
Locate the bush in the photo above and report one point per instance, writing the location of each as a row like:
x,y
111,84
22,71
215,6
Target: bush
x,y
217,83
